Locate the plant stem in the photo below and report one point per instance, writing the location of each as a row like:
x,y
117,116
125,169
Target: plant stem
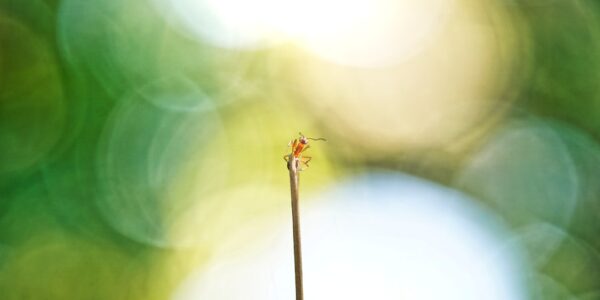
x,y
294,181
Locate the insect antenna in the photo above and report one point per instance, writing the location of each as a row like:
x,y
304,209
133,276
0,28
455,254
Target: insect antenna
x,y
317,139
313,139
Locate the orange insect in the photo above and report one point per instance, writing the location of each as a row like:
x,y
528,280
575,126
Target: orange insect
x,y
300,145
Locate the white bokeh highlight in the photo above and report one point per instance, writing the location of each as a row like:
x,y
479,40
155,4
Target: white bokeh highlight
x,y
376,237
363,33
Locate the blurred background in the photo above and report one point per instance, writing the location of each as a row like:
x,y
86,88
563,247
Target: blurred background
x,y
141,146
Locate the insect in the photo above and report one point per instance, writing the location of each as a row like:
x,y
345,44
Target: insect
x,y
300,145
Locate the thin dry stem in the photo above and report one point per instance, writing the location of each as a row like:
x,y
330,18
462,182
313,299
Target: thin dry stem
x,y
293,164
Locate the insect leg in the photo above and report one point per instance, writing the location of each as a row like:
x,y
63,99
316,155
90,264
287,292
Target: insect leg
x,y
306,159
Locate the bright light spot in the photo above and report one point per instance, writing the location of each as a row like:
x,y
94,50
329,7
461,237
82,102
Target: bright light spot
x,y
440,98
357,32
380,237
366,33
224,23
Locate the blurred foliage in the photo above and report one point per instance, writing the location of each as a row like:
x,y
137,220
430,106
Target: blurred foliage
x,y
130,148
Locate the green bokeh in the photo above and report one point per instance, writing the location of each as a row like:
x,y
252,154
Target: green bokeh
x,y
129,149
